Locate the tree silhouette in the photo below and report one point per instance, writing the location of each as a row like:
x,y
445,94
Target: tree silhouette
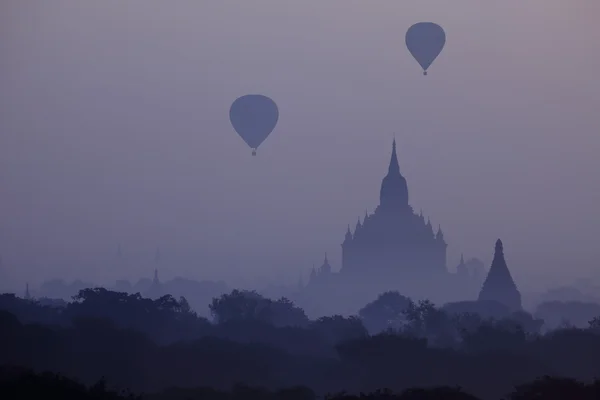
x,y
240,305
337,329
386,312
551,388
150,345
243,305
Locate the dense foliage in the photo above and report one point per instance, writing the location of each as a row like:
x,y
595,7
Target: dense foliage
x,y
153,346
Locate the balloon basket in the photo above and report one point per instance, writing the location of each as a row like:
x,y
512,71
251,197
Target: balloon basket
x,y
253,152
425,73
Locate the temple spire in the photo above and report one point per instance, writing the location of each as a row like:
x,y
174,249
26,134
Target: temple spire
x,y
439,235
499,285
326,267
155,281
499,250
393,195
394,167
348,236
313,275
27,294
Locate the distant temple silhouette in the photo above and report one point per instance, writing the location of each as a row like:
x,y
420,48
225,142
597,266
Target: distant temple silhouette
x,y
27,295
155,290
393,244
391,249
499,285
393,241
471,269
322,275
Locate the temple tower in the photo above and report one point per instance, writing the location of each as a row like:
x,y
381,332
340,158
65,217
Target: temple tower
x,y
499,285
393,195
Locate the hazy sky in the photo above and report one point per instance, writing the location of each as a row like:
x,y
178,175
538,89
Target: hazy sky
x,y
114,129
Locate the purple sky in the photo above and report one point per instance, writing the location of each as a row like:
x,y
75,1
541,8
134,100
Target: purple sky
x,y
114,129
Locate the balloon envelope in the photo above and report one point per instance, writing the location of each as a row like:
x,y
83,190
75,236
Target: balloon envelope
x,y
253,117
425,41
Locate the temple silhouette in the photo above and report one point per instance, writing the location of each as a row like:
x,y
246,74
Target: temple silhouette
x,y
391,247
395,248
393,241
499,285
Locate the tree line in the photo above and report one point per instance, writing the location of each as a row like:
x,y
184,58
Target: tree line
x,y
19,384
151,345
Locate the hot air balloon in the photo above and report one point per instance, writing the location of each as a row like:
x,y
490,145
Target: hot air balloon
x,y
253,117
425,41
